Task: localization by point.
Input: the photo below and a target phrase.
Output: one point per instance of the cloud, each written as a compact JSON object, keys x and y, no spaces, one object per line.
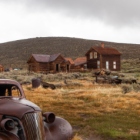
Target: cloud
{"x":118,"y":13}
{"x":101,"y":19}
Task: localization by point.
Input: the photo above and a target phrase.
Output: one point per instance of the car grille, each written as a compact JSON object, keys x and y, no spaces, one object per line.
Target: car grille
{"x":33,"y":126}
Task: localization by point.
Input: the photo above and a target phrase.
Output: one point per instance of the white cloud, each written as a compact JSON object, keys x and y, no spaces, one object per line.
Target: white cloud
{"x":97,"y":20}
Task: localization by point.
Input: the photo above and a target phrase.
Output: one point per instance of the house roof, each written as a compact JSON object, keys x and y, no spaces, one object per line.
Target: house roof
{"x":41,"y":57}
{"x":45,"y":58}
{"x":53,"y":57}
{"x":69,"y":59}
{"x":65,"y":61}
{"x":105,"y":51}
{"x":80,"y":61}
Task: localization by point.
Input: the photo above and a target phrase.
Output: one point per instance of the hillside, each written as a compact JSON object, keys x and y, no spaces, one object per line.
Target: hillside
{"x":16,"y":53}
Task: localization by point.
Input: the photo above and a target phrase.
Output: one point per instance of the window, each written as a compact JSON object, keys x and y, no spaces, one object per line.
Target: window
{"x":107,"y":65}
{"x":95,"y":54}
{"x":9,"y":90}
{"x":114,"y":64}
{"x":91,"y":55}
{"x":98,"y":64}
{"x":85,"y":66}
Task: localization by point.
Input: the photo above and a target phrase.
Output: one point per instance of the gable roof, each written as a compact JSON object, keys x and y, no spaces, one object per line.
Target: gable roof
{"x":41,"y":57}
{"x":44,"y":58}
{"x":80,"y":61}
{"x":53,"y":57}
{"x":69,"y":59}
{"x":105,"y":51}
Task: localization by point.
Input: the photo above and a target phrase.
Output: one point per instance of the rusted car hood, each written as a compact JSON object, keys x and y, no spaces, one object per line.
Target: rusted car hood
{"x":16,"y":107}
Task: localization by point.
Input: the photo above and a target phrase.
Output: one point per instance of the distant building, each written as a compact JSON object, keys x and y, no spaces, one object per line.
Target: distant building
{"x":81,"y":63}
{"x":49,"y":63}
{"x":72,"y":64}
{"x":103,"y":58}
{"x":1,"y":68}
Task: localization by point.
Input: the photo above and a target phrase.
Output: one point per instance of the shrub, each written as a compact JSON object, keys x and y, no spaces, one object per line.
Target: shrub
{"x":74,"y":84}
{"x":126,"y":88}
{"x":58,"y":85}
{"x":136,"y":87}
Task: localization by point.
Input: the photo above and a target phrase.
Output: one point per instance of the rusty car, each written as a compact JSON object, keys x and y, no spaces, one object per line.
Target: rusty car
{"x":21,"y":119}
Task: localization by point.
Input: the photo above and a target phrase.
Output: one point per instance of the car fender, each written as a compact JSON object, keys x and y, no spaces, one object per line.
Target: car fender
{"x":7,"y":136}
{"x":60,"y":129}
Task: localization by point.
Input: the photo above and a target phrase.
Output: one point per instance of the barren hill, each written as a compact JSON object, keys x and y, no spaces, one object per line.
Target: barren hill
{"x":16,"y":53}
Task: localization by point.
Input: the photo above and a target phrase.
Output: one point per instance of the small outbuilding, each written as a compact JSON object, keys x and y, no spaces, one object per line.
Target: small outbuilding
{"x":81,"y":63}
{"x":1,"y":68}
{"x":103,"y":58}
{"x":72,"y":64}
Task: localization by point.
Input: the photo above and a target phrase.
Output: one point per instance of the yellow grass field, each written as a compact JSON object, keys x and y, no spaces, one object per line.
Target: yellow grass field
{"x":92,"y":109}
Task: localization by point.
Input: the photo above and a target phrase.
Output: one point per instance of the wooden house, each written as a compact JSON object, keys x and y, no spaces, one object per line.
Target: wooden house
{"x":103,"y":58}
{"x":81,"y":63}
{"x":1,"y":68}
{"x":48,"y":63}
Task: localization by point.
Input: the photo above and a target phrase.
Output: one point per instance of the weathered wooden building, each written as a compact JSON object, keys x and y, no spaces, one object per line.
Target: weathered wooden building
{"x":81,"y":63}
{"x":103,"y":58}
{"x":48,"y":63}
{"x":1,"y":68}
{"x":72,"y":64}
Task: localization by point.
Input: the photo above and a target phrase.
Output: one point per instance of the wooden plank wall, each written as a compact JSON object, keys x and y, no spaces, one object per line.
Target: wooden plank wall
{"x":92,"y":63}
{"x":59,"y":60}
{"x":111,"y":59}
{"x":44,"y":67}
{"x":33,"y":64}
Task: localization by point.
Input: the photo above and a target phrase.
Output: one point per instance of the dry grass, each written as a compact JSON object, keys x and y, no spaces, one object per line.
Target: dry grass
{"x":92,"y":109}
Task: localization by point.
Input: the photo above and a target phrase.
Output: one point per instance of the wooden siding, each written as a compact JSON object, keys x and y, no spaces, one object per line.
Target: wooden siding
{"x":72,"y":66}
{"x":32,"y":65}
{"x":44,"y":67}
{"x":1,"y":68}
{"x":58,"y":61}
{"x":51,"y":66}
{"x":92,"y":63}
{"x":65,"y":67}
{"x":59,"y":64}
{"x":80,"y":67}
{"x":111,"y":59}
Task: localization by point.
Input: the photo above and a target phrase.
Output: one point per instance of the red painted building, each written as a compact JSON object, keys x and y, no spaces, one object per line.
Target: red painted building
{"x":103,"y":58}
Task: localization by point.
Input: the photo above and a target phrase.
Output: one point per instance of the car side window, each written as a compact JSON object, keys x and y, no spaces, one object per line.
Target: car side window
{"x":9,"y":90}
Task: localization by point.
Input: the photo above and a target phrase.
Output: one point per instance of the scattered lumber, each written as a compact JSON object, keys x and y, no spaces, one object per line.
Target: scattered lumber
{"x":47,"y":85}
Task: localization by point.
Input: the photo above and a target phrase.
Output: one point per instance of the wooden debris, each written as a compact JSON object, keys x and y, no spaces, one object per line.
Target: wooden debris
{"x":47,"y":85}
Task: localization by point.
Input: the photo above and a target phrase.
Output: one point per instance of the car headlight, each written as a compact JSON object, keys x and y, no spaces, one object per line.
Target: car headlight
{"x":7,"y":124}
{"x":49,"y":117}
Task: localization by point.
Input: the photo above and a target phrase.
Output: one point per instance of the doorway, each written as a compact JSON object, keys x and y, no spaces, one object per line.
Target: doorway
{"x":29,"y":68}
{"x":67,"y":68}
{"x":57,"y":67}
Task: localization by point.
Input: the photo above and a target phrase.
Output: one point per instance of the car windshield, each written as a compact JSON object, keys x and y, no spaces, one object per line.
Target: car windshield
{"x":8,"y":90}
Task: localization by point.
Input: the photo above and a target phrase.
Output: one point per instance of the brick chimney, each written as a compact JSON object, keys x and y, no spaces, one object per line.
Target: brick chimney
{"x":102,"y":45}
